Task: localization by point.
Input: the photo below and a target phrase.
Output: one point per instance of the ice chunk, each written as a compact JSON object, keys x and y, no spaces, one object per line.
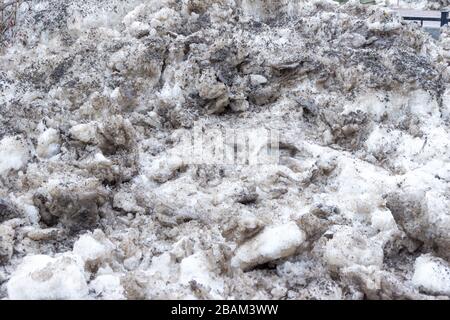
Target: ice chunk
{"x":349,"y":247}
{"x":41,"y":277}
{"x":85,"y":132}
{"x":272,"y":243}
{"x":256,"y":79}
{"x":432,"y":275}
{"x":107,"y":287}
{"x":6,"y":243}
{"x":48,"y":143}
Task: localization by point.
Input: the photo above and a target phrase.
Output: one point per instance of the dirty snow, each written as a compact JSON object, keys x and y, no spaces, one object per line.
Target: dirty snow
{"x":103,"y":194}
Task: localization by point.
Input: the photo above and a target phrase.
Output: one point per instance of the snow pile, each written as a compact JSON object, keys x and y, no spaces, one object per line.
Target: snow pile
{"x":43,"y":277}
{"x":106,"y":193}
{"x":432,"y":275}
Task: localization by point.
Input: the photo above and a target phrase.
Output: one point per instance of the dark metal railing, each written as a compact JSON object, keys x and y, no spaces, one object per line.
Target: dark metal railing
{"x":443,"y":19}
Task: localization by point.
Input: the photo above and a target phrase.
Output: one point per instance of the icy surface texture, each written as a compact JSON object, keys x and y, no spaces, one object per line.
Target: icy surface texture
{"x":99,"y":200}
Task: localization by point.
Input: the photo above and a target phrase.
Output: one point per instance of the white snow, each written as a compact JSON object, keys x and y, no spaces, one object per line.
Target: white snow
{"x":349,"y":247}
{"x":162,"y":266}
{"x":107,"y":287}
{"x":138,"y":28}
{"x":6,"y":243}
{"x":383,"y":220}
{"x":48,"y":143}
{"x":84,"y":132}
{"x":270,"y":244}
{"x":93,"y":248}
{"x":257,"y":79}
{"x":41,"y":277}
{"x":432,"y":275}
{"x":14,"y":154}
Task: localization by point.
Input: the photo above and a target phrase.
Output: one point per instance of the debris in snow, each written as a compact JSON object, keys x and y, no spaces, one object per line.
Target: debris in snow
{"x":85,"y":132}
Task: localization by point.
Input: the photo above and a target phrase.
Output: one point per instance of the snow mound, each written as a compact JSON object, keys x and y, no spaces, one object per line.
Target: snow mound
{"x":44,"y":277}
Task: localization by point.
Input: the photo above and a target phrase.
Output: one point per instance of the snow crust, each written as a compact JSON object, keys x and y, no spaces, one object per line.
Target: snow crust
{"x":432,"y":275}
{"x":105,"y":195}
{"x":44,"y":277}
